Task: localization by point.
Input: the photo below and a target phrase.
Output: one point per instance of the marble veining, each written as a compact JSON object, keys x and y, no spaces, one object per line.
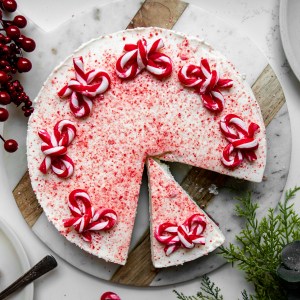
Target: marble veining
{"x":54,"y":46}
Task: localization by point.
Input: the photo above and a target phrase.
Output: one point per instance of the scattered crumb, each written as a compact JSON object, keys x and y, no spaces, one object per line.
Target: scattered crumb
{"x":213,"y":189}
{"x":200,"y":190}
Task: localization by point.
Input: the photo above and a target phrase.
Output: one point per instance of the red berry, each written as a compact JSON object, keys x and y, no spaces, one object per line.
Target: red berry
{"x":20,"y":39}
{"x":7,"y":69}
{"x":28,"y":103}
{"x":3,"y":114}
{"x":23,"y":65}
{"x":13,"y":32}
{"x":7,"y":40}
{"x":5,"y":50}
{"x":3,"y":63}
{"x":9,"y":5}
{"x":27,"y":44}
{"x":10,"y":146}
{"x":4,"y":98}
{"x":3,"y":77}
{"x":27,"y":113}
{"x":20,"y":21}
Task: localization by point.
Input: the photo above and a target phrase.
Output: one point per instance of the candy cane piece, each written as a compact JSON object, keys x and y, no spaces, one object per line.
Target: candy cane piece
{"x":54,"y":147}
{"x":62,"y":166}
{"x":85,"y":217}
{"x":64,"y":132}
{"x":189,"y":75}
{"x":206,"y":82}
{"x":142,"y":56}
{"x":82,"y":89}
{"x":242,"y":143}
{"x":186,"y":235}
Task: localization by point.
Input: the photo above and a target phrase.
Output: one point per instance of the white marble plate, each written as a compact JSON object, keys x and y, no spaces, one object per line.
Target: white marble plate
{"x":13,"y":258}
{"x":290,"y":32}
{"x":55,"y":45}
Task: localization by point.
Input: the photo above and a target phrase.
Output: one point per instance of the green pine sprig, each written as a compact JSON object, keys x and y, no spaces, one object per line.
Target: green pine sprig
{"x":209,"y":291}
{"x":257,"y":253}
{"x":245,"y":296}
{"x":260,"y":244}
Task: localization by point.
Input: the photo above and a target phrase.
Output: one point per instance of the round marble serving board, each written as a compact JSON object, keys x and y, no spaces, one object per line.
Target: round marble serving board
{"x":54,"y":46}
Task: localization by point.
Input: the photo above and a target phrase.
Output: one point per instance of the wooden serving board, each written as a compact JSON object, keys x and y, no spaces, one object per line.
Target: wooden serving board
{"x":139,"y":270}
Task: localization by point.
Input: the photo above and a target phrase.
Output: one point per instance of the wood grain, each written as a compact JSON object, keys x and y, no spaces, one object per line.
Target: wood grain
{"x":139,"y":270}
{"x":269,"y":94}
{"x":159,"y":13}
{"x":26,"y":200}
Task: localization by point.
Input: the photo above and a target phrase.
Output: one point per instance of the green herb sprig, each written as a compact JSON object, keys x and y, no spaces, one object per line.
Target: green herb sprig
{"x":258,"y":250}
{"x":209,"y":291}
{"x":260,"y":244}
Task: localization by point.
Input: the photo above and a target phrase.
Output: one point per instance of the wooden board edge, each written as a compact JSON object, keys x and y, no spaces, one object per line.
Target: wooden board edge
{"x":158,"y":13}
{"x":27,"y":201}
{"x":268,"y":83}
{"x":142,"y":274}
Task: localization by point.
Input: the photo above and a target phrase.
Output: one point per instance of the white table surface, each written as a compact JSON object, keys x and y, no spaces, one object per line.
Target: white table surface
{"x":259,"y":20}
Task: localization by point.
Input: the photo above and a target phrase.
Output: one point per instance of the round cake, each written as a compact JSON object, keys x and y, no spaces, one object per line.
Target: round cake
{"x":122,"y":99}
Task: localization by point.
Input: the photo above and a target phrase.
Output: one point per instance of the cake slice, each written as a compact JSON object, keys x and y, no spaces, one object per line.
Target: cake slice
{"x":169,"y":203}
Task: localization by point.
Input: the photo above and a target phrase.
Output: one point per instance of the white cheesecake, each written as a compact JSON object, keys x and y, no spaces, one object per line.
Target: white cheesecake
{"x":136,"y":119}
{"x":170,"y":203}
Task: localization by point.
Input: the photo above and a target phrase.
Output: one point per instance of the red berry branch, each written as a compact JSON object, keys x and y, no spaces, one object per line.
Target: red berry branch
{"x":12,"y":44}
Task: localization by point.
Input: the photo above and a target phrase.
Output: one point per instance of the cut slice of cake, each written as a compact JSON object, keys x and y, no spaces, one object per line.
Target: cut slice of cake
{"x":171,"y":206}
